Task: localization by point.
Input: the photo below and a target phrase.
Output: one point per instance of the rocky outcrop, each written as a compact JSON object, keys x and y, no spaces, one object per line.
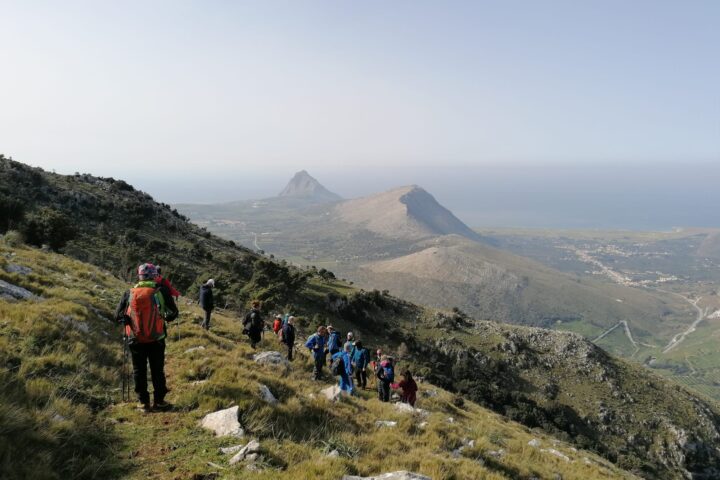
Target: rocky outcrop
{"x":272,"y":359}
{"x":8,"y":291}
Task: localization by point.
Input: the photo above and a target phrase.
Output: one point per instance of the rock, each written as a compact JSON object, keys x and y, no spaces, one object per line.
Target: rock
{"x":223,"y":423}
{"x":267,"y":395}
{"x":422,"y":424}
{"x":535,"y":443}
{"x":497,"y":453}
{"x":251,"y":457}
{"x":457,"y":452}
{"x":15,"y":268}
{"x":252,"y":447}
{"x":451,"y":420}
{"x":558,"y":454}
{"x":385,"y":423}
{"x":231,"y":450}
{"x":79,"y":326}
{"x":194,"y":349}
{"x":13,"y":292}
{"x":407,"y":408}
{"x":331,"y":393}
{"x":333,"y":454}
{"x":198,"y":382}
{"x":272,"y":359}
{"x":429,"y":393}
{"x":401,"y":475}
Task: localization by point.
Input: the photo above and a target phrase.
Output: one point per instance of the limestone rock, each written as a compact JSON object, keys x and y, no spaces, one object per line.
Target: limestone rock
{"x":15,"y":268}
{"x":272,"y":359}
{"x":333,"y":454}
{"x":332,"y":393}
{"x":231,"y":450}
{"x":224,"y":423}
{"x":407,"y":408}
{"x":401,"y":475}
{"x":385,"y":423}
{"x":267,"y":395}
{"x":194,"y":349}
{"x":535,"y":443}
{"x":558,"y":454}
{"x":13,"y":292}
{"x":252,"y":447}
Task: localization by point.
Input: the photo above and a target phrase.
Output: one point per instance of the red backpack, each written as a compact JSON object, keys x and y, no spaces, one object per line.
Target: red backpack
{"x":277,"y":325}
{"x":145,"y":309}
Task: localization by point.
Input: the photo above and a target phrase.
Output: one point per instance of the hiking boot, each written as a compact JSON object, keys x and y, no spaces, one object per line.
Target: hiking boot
{"x":162,"y":406}
{"x":144,"y":406}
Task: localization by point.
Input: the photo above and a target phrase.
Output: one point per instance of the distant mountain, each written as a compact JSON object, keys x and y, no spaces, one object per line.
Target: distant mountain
{"x":303,"y":185}
{"x":407,"y":212}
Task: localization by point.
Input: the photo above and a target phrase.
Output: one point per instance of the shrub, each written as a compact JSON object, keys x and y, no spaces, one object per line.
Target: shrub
{"x":13,"y":238}
{"x":48,"y":226}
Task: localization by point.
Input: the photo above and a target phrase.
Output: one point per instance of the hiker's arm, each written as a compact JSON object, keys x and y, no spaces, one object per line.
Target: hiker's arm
{"x":122,"y":307}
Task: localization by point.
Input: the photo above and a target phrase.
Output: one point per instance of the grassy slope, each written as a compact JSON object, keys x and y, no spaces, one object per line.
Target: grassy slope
{"x":60,"y":393}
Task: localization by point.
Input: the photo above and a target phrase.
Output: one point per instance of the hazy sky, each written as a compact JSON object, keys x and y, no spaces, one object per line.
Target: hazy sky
{"x":254,"y":90}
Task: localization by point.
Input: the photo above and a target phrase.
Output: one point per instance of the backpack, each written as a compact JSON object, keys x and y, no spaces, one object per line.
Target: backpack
{"x":256,"y":321}
{"x":145,"y":308}
{"x":337,"y":367}
{"x":285,"y":319}
{"x":277,"y":325}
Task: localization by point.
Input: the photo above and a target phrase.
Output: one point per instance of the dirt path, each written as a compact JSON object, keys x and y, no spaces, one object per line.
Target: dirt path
{"x":677,"y":339}
{"x":628,"y":334}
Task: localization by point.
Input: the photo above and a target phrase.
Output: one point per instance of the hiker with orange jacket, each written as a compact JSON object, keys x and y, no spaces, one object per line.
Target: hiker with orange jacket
{"x":144,"y":309}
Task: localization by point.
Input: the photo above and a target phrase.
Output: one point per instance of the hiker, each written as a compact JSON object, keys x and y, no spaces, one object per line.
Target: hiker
{"x":316,"y":343}
{"x":349,"y":341}
{"x":342,"y":366}
{"x":277,"y":324}
{"x":144,"y":309}
{"x":386,"y":376}
{"x":254,"y":324}
{"x":287,"y":336}
{"x":360,"y":359}
{"x":375,"y":364}
{"x":333,"y":345}
{"x":409,"y":388}
{"x":207,"y":302}
{"x":165,"y":282}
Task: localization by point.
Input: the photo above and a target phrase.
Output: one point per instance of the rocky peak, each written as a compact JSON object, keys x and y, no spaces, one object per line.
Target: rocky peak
{"x":303,"y":185}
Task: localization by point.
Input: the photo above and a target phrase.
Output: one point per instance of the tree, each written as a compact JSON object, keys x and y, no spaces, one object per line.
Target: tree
{"x":48,"y":226}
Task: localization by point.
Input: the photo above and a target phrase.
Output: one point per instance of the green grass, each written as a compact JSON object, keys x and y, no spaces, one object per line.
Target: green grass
{"x":61,"y":415}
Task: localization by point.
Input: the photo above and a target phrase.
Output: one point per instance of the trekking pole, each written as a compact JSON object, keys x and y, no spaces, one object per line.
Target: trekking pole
{"x":124,"y":373}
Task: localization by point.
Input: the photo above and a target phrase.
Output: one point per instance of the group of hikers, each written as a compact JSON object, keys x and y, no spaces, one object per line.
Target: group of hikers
{"x":145,"y":308}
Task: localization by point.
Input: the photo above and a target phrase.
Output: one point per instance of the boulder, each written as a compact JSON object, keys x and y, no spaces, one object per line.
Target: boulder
{"x":272,"y":359}
{"x":231,"y":450}
{"x":332,"y":393}
{"x":252,"y":447}
{"x":535,"y":443}
{"x":224,"y":423}
{"x":15,"y":268}
{"x":267,"y":395}
{"x":401,"y":475}
{"x":13,"y":292}
{"x":194,"y":349}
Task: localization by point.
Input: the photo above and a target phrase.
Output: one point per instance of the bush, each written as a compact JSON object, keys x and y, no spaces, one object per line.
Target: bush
{"x":13,"y":238}
{"x":12,"y":212}
{"x":48,"y":226}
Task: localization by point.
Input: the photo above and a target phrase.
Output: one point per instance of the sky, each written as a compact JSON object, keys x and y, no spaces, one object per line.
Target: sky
{"x":219,"y":100}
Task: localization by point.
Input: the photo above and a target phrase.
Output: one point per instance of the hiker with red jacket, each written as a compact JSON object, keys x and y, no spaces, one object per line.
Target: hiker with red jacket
{"x":165,"y":282}
{"x":144,"y":309}
{"x":409,"y":388}
{"x":277,"y":324}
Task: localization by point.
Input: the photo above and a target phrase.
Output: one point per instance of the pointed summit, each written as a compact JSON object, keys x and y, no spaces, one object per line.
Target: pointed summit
{"x":302,"y":185}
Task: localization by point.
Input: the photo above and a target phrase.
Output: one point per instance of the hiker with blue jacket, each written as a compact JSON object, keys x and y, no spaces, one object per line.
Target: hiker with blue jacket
{"x":386,"y":375}
{"x":317,"y":343}
{"x":360,"y":360}
{"x":287,"y":336}
{"x":342,"y":366}
{"x":334,"y":341}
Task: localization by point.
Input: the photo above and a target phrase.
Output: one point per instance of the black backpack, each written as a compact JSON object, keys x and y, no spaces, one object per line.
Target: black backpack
{"x":256,"y":320}
{"x":337,"y":367}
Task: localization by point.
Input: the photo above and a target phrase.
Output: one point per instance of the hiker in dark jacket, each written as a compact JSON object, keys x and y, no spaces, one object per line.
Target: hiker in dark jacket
{"x":254,"y":324}
{"x":143,"y":310}
{"x":360,"y":360}
{"x":288,"y":336}
{"x":386,"y":376}
{"x":207,"y":302}
{"x":317,"y":343}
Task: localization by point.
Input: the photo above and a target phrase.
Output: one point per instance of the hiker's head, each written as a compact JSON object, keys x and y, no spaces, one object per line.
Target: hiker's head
{"x":330,"y":329}
{"x":350,"y":336}
{"x":147,"y":271}
{"x":159,"y":269}
{"x":321,"y":330}
{"x":358,"y":344}
{"x":255,"y":304}
{"x":384,"y":358}
{"x":379,"y":352}
{"x":291,"y":320}
{"x":278,"y":316}
{"x":391,"y":360}
{"x":210,"y":283}
{"x":407,"y":375}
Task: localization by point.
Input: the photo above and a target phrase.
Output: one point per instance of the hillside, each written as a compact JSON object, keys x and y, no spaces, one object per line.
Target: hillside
{"x":407,"y":213}
{"x":60,"y":401}
{"x":553,"y":381}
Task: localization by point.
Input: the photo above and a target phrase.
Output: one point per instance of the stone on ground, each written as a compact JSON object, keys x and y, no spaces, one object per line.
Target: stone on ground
{"x":194,"y":349}
{"x":272,"y":359}
{"x":15,"y":268}
{"x":332,"y":393}
{"x":224,"y":423}
{"x":385,"y":423}
{"x":231,"y":450}
{"x":252,"y":447}
{"x":401,"y":475}
{"x":9,"y":291}
{"x":407,"y":408}
{"x":267,"y":395}
{"x":534,"y":443}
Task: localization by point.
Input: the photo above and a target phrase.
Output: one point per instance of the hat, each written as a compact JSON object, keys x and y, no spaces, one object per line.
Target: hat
{"x":291,"y":319}
{"x":147,"y":271}
{"x":210,"y":282}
